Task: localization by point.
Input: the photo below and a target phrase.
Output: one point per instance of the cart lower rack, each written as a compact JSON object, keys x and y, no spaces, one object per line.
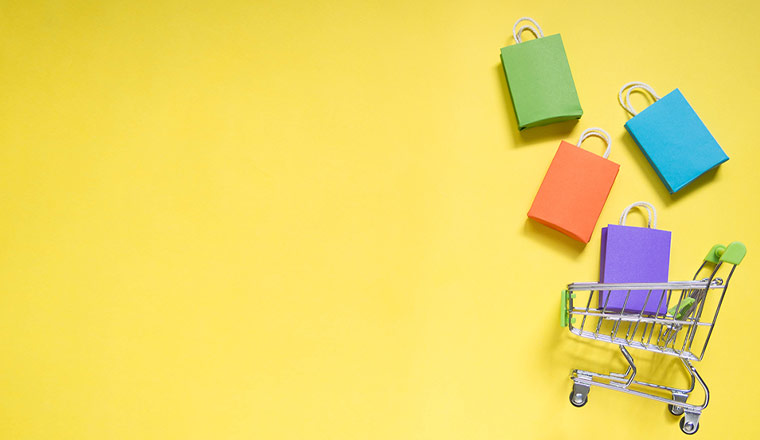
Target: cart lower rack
{"x":680,"y":326}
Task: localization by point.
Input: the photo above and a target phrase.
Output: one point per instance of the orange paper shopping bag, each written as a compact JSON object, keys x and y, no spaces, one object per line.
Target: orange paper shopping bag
{"x":575,"y":188}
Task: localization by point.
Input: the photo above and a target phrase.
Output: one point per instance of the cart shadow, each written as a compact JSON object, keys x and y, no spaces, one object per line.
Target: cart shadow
{"x":586,"y":354}
{"x":574,"y":352}
{"x":583,"y":349}
{"x":520,"y":138}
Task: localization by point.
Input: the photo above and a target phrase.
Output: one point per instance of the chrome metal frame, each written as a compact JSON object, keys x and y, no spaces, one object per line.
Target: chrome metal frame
{"x":654,"y":332}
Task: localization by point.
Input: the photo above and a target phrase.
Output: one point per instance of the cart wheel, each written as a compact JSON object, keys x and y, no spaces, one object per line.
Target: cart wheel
{"x":578,"y":399}
{"x":675,"y":410}
{"x":689,"y":428}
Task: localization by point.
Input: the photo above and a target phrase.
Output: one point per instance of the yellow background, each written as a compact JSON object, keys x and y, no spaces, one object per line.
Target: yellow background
{"x":306,"y":220}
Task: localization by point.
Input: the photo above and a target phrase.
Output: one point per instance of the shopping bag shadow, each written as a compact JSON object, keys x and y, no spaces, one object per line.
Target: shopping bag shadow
{"x":694,"y":186}
{"x":570,"y":352}
{"x":585,"y":354}
{"x":530,"y":136}
{"x":552,"y":239}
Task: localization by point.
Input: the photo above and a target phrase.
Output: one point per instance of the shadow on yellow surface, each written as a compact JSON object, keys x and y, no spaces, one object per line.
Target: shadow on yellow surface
{"x":307,"y":220}
{"x":552,"y":239}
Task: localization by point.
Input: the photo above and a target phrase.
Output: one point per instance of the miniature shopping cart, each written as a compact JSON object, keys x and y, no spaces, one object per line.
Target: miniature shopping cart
{"x":682,"y":328}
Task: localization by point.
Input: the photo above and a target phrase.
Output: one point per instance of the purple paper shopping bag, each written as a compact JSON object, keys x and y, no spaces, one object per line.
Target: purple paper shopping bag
{"x":635,"y":255}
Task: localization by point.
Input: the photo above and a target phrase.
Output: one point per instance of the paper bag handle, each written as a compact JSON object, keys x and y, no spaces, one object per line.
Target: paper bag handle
{"x":598,"y":132}
{"x":537,"y":31}
{"x":631,"y":86}
{"x":652,"y":219}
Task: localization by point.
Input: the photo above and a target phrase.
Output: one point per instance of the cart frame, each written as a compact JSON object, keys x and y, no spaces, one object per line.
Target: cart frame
{"x":678,"y":330}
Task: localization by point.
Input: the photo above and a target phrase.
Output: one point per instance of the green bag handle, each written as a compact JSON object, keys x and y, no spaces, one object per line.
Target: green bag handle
{"x":564,"y":310}
{"x":733,"y":253}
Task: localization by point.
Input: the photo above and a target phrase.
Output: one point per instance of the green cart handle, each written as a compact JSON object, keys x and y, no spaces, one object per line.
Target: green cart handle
{"x":733,"y":253}
{"x":685,"y":305}
{"x":564,"y":308}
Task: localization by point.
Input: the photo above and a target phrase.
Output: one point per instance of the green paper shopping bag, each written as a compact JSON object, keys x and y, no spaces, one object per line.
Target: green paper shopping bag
{"x":539,"y":79}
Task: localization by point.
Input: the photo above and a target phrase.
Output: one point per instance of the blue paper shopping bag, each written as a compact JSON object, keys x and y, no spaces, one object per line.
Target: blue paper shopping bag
{"x":676,"y":142}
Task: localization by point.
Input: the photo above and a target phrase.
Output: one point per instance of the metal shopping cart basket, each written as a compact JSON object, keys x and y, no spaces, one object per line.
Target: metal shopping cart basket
{"x":683,"y":331}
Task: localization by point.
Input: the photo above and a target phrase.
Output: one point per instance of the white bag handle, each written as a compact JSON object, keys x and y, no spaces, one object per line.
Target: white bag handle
{"x":633,"y":86}
{"x":652,"y":219}
{"x":598,"y":132}
{"x":537,"y":31}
